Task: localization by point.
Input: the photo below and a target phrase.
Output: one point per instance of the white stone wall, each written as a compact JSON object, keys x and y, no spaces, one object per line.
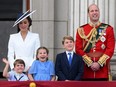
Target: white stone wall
{"x":113,"y":65}
{"x":43,"y":23}
{"x":61,"y":23}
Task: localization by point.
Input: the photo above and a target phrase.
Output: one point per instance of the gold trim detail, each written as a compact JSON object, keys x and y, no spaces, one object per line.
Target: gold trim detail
{"x":103,"y":59}
{"x":87,"y":60}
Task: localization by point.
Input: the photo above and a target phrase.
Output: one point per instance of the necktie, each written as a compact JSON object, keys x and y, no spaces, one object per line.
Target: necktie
{"x":70,"y":58}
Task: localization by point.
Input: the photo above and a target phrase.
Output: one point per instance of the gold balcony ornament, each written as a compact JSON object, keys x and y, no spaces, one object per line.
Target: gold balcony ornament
{"x":32,"y":84}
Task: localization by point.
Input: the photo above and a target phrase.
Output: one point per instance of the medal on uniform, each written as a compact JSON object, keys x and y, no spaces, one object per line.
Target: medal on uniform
{"x":100,"y":31}
{"x":104,"y":32}
{"x":102,"y":39}
{"x":103,"y":46}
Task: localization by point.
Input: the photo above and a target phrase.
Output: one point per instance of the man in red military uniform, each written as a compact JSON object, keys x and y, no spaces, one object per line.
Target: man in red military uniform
{"x":95,"y":42}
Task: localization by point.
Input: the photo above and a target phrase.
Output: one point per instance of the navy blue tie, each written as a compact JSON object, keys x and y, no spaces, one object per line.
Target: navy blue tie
{"x":70,"y":58}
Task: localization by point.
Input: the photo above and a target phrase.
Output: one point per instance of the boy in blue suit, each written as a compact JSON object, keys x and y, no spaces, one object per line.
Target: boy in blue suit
{"x":69,"y":65}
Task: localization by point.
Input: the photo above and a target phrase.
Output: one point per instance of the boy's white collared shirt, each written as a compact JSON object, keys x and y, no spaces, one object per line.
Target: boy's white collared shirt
{"x":68,"y":54}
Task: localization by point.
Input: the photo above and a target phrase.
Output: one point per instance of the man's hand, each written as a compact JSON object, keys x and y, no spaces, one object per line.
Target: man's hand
{"x":95,"y":66}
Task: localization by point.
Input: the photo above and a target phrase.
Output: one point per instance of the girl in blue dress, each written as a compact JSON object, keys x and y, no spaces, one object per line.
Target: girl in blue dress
{"x":42,"y":69}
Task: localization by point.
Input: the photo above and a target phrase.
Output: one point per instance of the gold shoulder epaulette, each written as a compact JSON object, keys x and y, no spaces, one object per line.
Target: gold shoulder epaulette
{"x":81,"y":32}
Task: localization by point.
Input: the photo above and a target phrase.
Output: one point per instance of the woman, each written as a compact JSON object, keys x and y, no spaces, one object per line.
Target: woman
{"x":23,"y":45}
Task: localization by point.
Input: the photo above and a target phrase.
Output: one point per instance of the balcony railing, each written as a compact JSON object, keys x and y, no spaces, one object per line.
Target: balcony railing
{"x":58,"y":84}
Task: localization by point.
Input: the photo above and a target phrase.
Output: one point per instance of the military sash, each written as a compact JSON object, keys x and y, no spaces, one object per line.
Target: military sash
{"x":92,"y":37}
{"x":100,"y":31}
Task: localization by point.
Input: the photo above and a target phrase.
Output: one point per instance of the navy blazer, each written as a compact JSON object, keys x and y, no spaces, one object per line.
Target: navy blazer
{"x":66,"y":72}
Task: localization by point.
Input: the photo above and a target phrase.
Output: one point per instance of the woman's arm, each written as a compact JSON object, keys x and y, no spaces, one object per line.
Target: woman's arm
{"x":11,"y":52}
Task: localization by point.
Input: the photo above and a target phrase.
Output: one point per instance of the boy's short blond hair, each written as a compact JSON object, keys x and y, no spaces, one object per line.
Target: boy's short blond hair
{"x":19,"y":61}
{"x":67,"y":37}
